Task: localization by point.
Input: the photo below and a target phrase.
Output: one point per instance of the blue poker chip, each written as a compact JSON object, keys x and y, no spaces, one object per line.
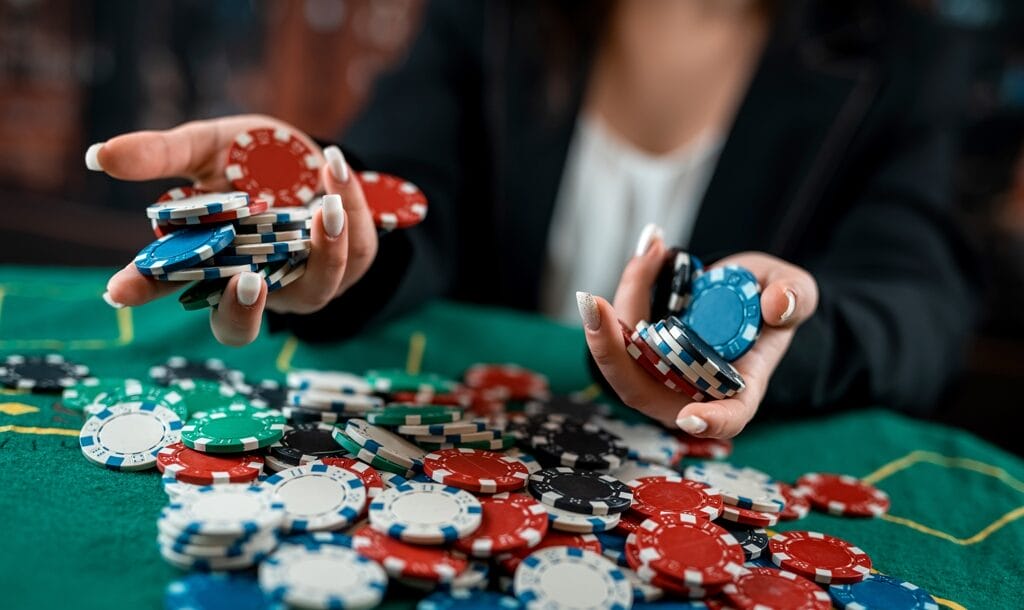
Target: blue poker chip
{"x":250,"y":259}
{"x":613,"y":546}
{"x":725,"y":310}
{"x":881,"y":591}
{"x":683,"y":363}
{"x":215,"y":591}
{"x":183,"y":249}
{"x":468,"y":600}
{"x":315,"y":539}
{"x":703,"y":354}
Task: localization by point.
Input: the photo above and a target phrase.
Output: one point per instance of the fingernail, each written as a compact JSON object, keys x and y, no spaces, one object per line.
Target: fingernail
{"x":92,"y":157}
{"x":336,"y":163}
{"x":647,"y":236}
{"x":588,"y":310}
{"x":110,"y":300}
{"x":691,"y":424}
{"x":248,"y":288}
{"x":334,"y":215}
{"x":790,"y":306}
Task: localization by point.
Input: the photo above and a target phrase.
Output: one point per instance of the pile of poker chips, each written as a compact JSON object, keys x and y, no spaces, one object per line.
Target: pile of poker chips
{"x":386,"y":516}
{"x":264,"y":225}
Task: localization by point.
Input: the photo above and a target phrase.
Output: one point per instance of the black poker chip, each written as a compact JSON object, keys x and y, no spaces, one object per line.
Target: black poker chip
{"x":753,"y":540}
{"x":705,"y":355}
{"x":178,"y":367}
{"x":685,"y":268}
{"x":567,"y":405}
{"x":306,"y":443}
{"x":580,"y":491}
{"x":267,"y":394}
{"x":584,"y":446}
{"x":661,"y":292}
{"x":46,"y":373}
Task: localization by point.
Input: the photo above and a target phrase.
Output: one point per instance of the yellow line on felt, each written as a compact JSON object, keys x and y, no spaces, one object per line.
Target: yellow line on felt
{"x":991,"y":528}
{"x":125,"y":328}
{"x":40,"y":431}
{"x":942,"y":460}
{"x":284,"y":357}
{"x":414,"y":360}
{"x":948,"y":603}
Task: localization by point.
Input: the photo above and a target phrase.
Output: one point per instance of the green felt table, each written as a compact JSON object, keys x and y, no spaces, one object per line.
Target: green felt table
{"x":79,"y":536}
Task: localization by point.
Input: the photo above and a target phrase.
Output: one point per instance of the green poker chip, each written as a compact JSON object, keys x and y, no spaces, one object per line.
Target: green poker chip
{"x":369,"y":457}
{"x":203,"y":294}
{"x":397,"y":380}
{"x":85,"y":391}
{"x":498,"y":444}
{"x":232,"y":429}
{"x":131,"y":390}
{"x":401,"y":414}
{"x":207,"y":395}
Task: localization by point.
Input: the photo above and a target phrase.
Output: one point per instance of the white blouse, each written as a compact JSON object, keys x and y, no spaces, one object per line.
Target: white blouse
{"x":609,"y":191}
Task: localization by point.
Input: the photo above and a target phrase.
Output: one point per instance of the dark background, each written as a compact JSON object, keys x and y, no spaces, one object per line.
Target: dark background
{"x":74,"y":72}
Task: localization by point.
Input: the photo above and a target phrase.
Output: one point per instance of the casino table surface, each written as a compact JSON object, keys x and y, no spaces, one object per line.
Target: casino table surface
{"x":79,"y":536}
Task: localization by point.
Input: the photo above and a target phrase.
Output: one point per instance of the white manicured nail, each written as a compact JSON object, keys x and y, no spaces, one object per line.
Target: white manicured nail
{"x":92,"y":157}
{"x":647,"y":236}
{"x":790,"y":306}
{"x":691,"y":424}
{"x":110,"y":301}
{"x":336,"y":163}
{"x":334,"y":215}
{"x":588,"y":310}
{"x":248,"y":288}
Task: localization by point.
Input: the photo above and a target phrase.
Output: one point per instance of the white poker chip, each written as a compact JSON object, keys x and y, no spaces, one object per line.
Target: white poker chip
{"x":200,"y":204}
{"x":642,"y":591}
{"x":385,"y":443}
{"x":322,"y":576}
{"x":317,"y":496}
{"x":567,"y":577}
{"x":743,"y":487}
{"x":225,"y":509}
{"x":329,"y":381}
{"x":129,"y":435}
{"x":425,"y":513}
{"x":578,"y":523}
{"x":632,"y":470}
{"x":646,"y":442}
{"x":323,"y":400}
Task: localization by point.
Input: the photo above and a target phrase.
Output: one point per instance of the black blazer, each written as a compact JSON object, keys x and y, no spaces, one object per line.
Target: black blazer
{"x":839,"y":160}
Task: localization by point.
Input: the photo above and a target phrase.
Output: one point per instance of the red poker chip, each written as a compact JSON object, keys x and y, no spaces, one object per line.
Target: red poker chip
{"x":510,"y":522}
{"x":797,"y":504}
{"x":652,"y":577}
{"x":630,"y":522}
{"x":588,"y":542}
{"x":433,"y":563}
{"x":843,"y":495}
{"x":476,"y":470}
{"x":370,"y":478}
{"x":256,"y":206}
{"x":747,"y":516}
{"x":760,"y":588}
{"x":394,"y":203}
{"x":509,"y":381}
{"x":198,"y":468}
{"x":654,"y":496}
{"x":275,"y":164}
{"x":694,"y":551}
{"x":704,"y":448}
{"x":822,"y":558}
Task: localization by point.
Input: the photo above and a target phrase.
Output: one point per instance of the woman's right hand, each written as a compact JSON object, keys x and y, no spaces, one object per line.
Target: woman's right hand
{"x":343,"y":232}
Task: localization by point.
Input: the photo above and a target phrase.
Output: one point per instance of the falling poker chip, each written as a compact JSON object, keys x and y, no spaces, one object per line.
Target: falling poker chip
{"x":580,"y":491}
{"x":47,"y":373}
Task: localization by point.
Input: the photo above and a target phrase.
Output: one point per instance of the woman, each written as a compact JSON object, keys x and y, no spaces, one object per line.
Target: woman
{"x":807,"y":141}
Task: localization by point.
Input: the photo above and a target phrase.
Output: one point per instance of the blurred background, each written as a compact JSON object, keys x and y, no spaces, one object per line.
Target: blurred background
{"x":73,"y":72}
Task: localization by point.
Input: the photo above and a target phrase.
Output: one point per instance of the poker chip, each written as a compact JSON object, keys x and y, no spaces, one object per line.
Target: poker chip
{"x":396,"y":380}
{"x":465,"y":437}
{"x":649,"y":575}
{"x":630,"y":522}
{"x":759,"y":588}
{"x":295,"y":245}
{"x":397,"y":414}
{"x":274,"y":464}
{"x":394,"y":203}
{"x":178,"y":367}
{"x":747,"y":516}
{"x":505,"y":441}
{"x":204,"y":273}
{"x":637,"y":469}
{"x":232,"y":429}
{"x":843,"y":495}
{"x":369,"y":457}
{"x":459,"y":398}
{"x":822,"y":558}
{"x":425,"y":513}
{"x":881,"y":591}
{"x":704,"y":448}
{"x":371,"y":478}
{"x":739,"y":487}
{"x":686,"y":267}
{"x":134,"y":391}
{"x":703,"y":354}
{"x":274,"y":163}
{"x":262,"y":238}
{"x":509,"y":522}
{"x":273,"y":227}
{"x":214,"y":591}
{"x":276,"y":215}
{"x":225,"y":510}
{"x":650,"y":359}
{"x":300,"y":415}
{"x":128,"y":435}
{"x":208,"y":564}
{"x":685,"y":360}
{"x":754,"y":541}
{"x":255,"y":206}
{"x":476,"y":470}
{"x":47,"y":373}
{"x":206,"y":395}
{"x":304,"y":443}
{"x":475,"y":578}
{"x":645,"y":442}
{"x":655,"y":496}
{"x":577,"y":523}
{"x":701,"y":381}
{"x":580,"y":491}
{"x":183,"y":249}
{"x":694,"y":551}
{"x":562,"y":577}
{"x":642,"y":591}
{"x":797,"y":504}
{"x":83,"y":392}
{"x":509,"y":562}
{"x":509,"y":381}
{"x":583,"y":446}
{"x":326,"y":576}
{"x":287,"y":273}
{"x":202,"y":294}
{"x":262,"y":544}
{"x":384,"y":443}
{"x":444,"y":429}
{"x":317,"y":496}
{"x":265,"y":394}
{"x":195,"y":204}
{"x":468,"y":600}
{"x":198,"y":468}
{"x":726,"y":310}
{"x":322,"y":400}
{"x":433,"y":563}
{"x":328,"y":381}
{"x":315,"y":539}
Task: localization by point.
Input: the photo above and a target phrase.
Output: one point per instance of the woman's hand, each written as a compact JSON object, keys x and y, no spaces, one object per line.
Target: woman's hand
{"x":789,"y":297}
{"x":343,"y":232}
